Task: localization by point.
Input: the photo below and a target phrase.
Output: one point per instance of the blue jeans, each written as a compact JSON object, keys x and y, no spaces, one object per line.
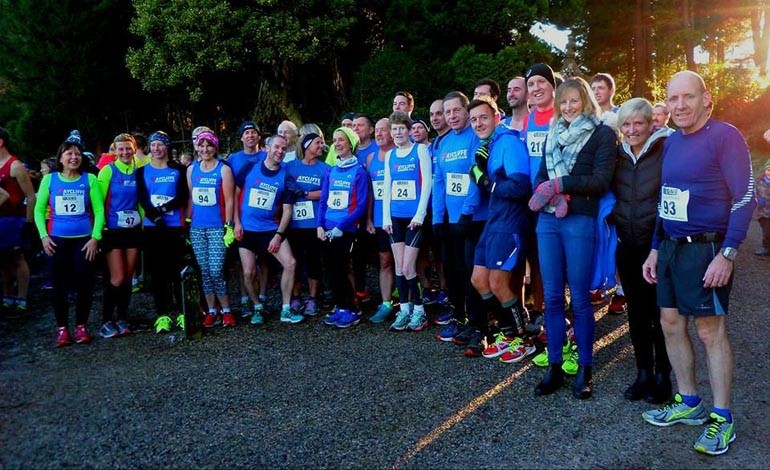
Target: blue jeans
{"x":566,"y":246}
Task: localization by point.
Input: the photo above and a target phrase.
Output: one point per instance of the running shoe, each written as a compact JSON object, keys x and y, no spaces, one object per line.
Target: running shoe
{"x":332,"y":317}
{"x":347,"y":319}
{"x":570,"y":365}
{"x":444,"y":317}
{"x":499,"y":346}
{"x":291,"y":316}
{"x":123,"y":328}
{"x":462,"y":338}
{"x":429,"y":297}
{"x":363,"y":296}
{"x":228,"y":319}
{"x":717,"y":436}
{"x":262,"y":299}
{"x":211,"y":320}
{"x":108,"y":330}
{"x":536,"y":323}
{"x":46,"y":285}
{"x":136,"y":286}
{"x":163,"y":324}
{"x":541,"y":360}
{"x":383,"y":313}
{"x":518,"y":351}
{"x":81,"y":335}
{"x":418,"y":321}
{"x":450,"y":331}
{"x":180,"y":321}
{"x":677,"y":412}
{"x":63,"y":337}
{"x":296,"y":304}
{"x":21,"y":307}
{"x":617,"y":304}
{"x":402,"y":321}
{"x":442,"y":299}
{"x":597,"y":297}
{"x":474,"y":347}
{"x":311,"y":309}
{"x":245,"y":310}
{"x":256,"y":315}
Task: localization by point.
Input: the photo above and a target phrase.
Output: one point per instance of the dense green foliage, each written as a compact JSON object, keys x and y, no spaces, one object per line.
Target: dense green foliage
{"x":109,"y":66}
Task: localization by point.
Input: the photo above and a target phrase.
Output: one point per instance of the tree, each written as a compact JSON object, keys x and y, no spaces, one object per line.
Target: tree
{"x":760,"y":33}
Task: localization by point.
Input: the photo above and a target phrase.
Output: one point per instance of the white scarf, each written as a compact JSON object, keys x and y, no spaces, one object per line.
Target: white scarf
{"x":565,"y":140}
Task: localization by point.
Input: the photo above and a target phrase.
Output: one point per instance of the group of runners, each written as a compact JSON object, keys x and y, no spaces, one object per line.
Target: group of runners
{"x":569,"y":189}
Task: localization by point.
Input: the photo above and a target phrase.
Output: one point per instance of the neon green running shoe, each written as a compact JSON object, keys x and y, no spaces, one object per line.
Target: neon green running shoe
{"x":541,"y":360}
{"x":570,"y":354}
{"x":717,"y":436}
{"x":180,"y":321}
{"x":163,"y":324}
{"x":677,"y":412}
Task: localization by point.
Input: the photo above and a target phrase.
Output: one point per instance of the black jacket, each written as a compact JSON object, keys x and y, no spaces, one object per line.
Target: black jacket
{"x":179,"y":202}
{"x":591,"y":176}
{"x":637,"y":190}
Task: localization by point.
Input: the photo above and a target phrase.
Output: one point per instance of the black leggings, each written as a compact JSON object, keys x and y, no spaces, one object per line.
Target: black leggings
{"x":164,"y":252}
{"x":72,"y":271}
{"x":337,"y":260}
{"x":643,"y":313}
{"x":459,"y":249}
{"x":306,"y":247}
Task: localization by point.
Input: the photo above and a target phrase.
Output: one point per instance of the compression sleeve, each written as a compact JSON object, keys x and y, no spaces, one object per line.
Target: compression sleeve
{"x":97,"y":206}
{"x":387,"y":220}
{"x":426,"y":176}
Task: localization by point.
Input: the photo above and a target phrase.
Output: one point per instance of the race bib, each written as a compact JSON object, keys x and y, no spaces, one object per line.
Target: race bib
{"x":204,"y":196}
{"x":338,"y":199}
{"x":457,"y":184}
{"x":128,"y":219}
{"x":535,"y":140}
{"x":379,"y":190}
{"x":160,"y":199}
{"x":261,"y":199}
{"x":673,"y":204}
{"x":303,"y":210}
{"x":70,"y":205}
{"x":403,"y":190}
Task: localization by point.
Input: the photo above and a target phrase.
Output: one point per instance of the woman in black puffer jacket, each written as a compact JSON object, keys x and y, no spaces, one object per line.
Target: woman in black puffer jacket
{"x":637,"y":186}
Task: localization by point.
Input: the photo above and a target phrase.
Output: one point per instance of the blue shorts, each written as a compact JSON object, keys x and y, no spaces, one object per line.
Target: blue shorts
{"x":681,"y":267}
{"x":10,"y":227}
{"x":500,"y":251}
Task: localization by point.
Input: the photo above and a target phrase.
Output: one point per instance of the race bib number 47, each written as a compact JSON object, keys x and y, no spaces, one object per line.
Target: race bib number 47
{"x":673,"y":204}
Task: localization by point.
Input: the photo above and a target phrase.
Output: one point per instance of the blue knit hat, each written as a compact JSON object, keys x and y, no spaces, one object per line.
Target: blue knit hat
{"x":74,"y":138}
{"x":160,"y":136}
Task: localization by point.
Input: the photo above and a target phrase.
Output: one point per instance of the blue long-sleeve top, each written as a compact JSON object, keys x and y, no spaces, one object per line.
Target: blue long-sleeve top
{"x":510,"y":188}
{"x":453,"y":193}
{"x":344,"y":197}
{"x":707,"y":184}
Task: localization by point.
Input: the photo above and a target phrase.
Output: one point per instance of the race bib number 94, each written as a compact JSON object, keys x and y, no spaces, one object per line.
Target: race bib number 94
{"x":673,"y":204}
{"x":204,"y":196}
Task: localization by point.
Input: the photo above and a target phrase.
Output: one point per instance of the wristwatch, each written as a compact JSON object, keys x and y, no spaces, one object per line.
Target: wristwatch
{"x":729,"y":253}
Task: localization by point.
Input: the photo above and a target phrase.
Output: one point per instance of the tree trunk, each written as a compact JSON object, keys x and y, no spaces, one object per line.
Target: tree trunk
{"x":760,"y":34}
{"x":642,"y":48}
{"x":688,"y":25}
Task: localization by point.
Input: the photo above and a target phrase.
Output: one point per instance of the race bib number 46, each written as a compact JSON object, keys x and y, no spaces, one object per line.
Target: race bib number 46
{"x":70,"y":205}
{"x":673,"y":204}
{"x":261,"y":199}
{"x":338,"y":199}
{"x":457,"y":184}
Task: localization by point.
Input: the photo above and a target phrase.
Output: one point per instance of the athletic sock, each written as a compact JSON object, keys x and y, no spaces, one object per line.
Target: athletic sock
{"x":108,"y":305}
{"x":419,"y":309}
{"x":21,"y":302}
{"x":225,"y":309}
{"x":285,"y":307}
{"x":690,"y":400}
{"x":723,"y":412}
{"x":122,"y":300}
{"x":388,"y":304}
{"x":414,"y":290}
{"x":403,"y":289}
